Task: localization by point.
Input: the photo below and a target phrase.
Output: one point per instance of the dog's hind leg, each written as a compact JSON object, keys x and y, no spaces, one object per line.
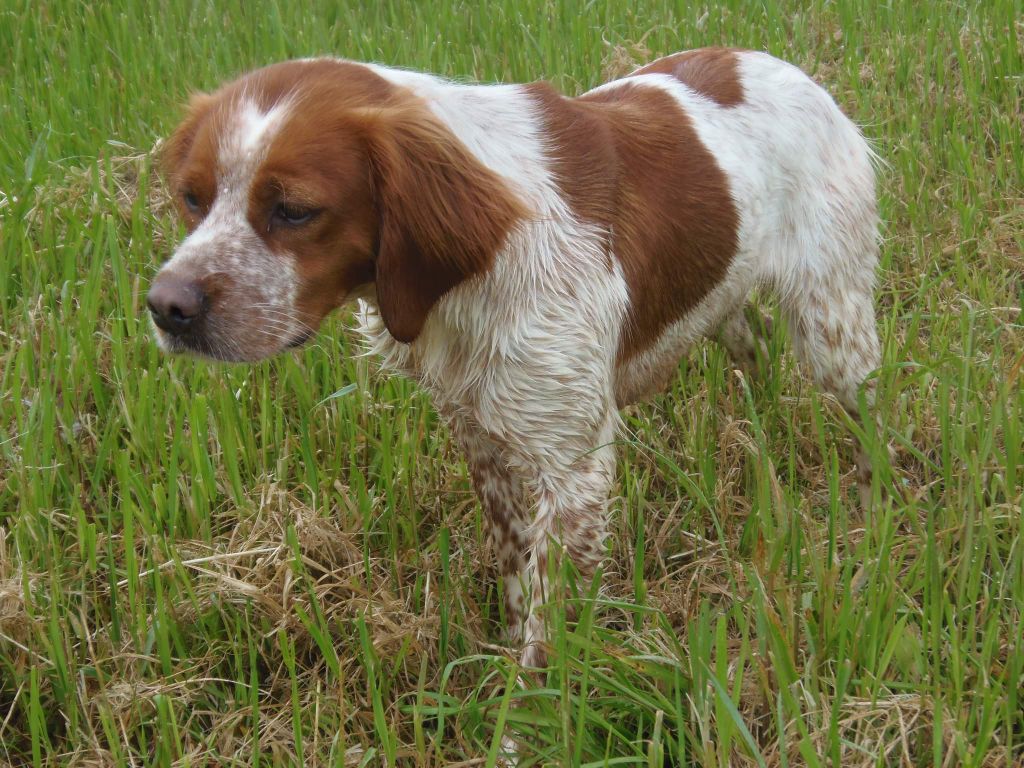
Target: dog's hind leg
{"x":836,"y":338}
{"x":827,"y":295}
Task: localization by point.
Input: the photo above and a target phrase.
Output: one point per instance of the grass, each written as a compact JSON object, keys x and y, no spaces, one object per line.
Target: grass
{"x":215,"y":565}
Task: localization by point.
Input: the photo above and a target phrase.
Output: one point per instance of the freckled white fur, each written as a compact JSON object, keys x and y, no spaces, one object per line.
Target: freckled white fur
{"x":525,"y":354}
{"x":225,"y":242}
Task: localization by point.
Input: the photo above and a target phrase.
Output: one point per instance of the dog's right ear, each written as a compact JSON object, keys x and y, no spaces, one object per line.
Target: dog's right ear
{"x":443,"y":215}
{"x":176,"y":148}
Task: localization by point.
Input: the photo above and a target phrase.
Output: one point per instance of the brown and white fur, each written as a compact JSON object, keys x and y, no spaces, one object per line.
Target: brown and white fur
{"x":535,"y":262}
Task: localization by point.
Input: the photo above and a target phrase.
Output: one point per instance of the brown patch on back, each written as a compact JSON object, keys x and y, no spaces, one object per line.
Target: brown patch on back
{"x":630,"y":160}
{"x":712,"y":72}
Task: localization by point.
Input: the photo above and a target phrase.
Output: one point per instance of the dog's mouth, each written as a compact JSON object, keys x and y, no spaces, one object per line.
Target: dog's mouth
{"x":198,"y":345}
{"x":208,"y":344}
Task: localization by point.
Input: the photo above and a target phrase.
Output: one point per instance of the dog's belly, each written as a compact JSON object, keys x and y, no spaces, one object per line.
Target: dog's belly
{"x":649,"y":372}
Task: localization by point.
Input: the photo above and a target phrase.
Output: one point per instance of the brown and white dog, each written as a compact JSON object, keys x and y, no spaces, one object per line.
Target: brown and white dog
{"x":536,"y":262}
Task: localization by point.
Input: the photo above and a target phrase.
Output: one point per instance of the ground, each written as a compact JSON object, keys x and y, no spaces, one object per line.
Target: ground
{"x":216,"y":565}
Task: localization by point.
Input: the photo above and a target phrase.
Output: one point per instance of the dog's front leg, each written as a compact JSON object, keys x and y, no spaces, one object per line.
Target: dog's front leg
{"x":570,"y":521}
{"x":507,"y":512}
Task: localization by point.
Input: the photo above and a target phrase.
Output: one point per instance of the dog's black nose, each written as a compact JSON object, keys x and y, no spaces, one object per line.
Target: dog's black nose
{"x":176,"y":303}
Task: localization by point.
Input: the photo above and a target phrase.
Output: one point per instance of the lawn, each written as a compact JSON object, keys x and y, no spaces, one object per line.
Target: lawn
{"x":284,"y":563}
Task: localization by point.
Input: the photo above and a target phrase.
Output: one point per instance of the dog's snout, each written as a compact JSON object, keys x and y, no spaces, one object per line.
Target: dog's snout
{"x":176,"y":303}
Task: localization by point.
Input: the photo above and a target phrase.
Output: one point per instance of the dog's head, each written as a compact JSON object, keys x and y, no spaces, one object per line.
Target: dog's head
{"x":308,"y":183}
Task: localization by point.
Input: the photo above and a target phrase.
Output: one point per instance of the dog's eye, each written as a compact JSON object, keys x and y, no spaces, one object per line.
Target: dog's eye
{"x":191,"y":201}
{"x":292,"y":214}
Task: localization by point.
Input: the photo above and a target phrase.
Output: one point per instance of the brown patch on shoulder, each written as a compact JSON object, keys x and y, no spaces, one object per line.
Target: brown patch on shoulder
{"x":629,"y":159}
{"x":712,"y":72}
{"x":584,"y":158}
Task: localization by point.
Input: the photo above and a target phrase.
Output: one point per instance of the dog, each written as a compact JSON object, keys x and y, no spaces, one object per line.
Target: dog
{"x":535,"y":262}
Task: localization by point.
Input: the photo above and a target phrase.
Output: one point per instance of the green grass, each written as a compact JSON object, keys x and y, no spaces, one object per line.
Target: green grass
{"x":205,"y":564}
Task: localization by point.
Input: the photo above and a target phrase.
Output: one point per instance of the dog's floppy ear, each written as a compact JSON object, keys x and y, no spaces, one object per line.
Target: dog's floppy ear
{"x":175,"y":150}
{"x":443,"y":215}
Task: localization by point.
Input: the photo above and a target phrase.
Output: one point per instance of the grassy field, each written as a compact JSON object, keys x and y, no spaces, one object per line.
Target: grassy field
{"x":284,"y":564}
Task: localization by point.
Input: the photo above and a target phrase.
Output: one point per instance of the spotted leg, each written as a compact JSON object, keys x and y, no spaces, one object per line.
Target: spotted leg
{"x":834,"y":334}
{"x":571,"y":519}
{"x":507,"y":513}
